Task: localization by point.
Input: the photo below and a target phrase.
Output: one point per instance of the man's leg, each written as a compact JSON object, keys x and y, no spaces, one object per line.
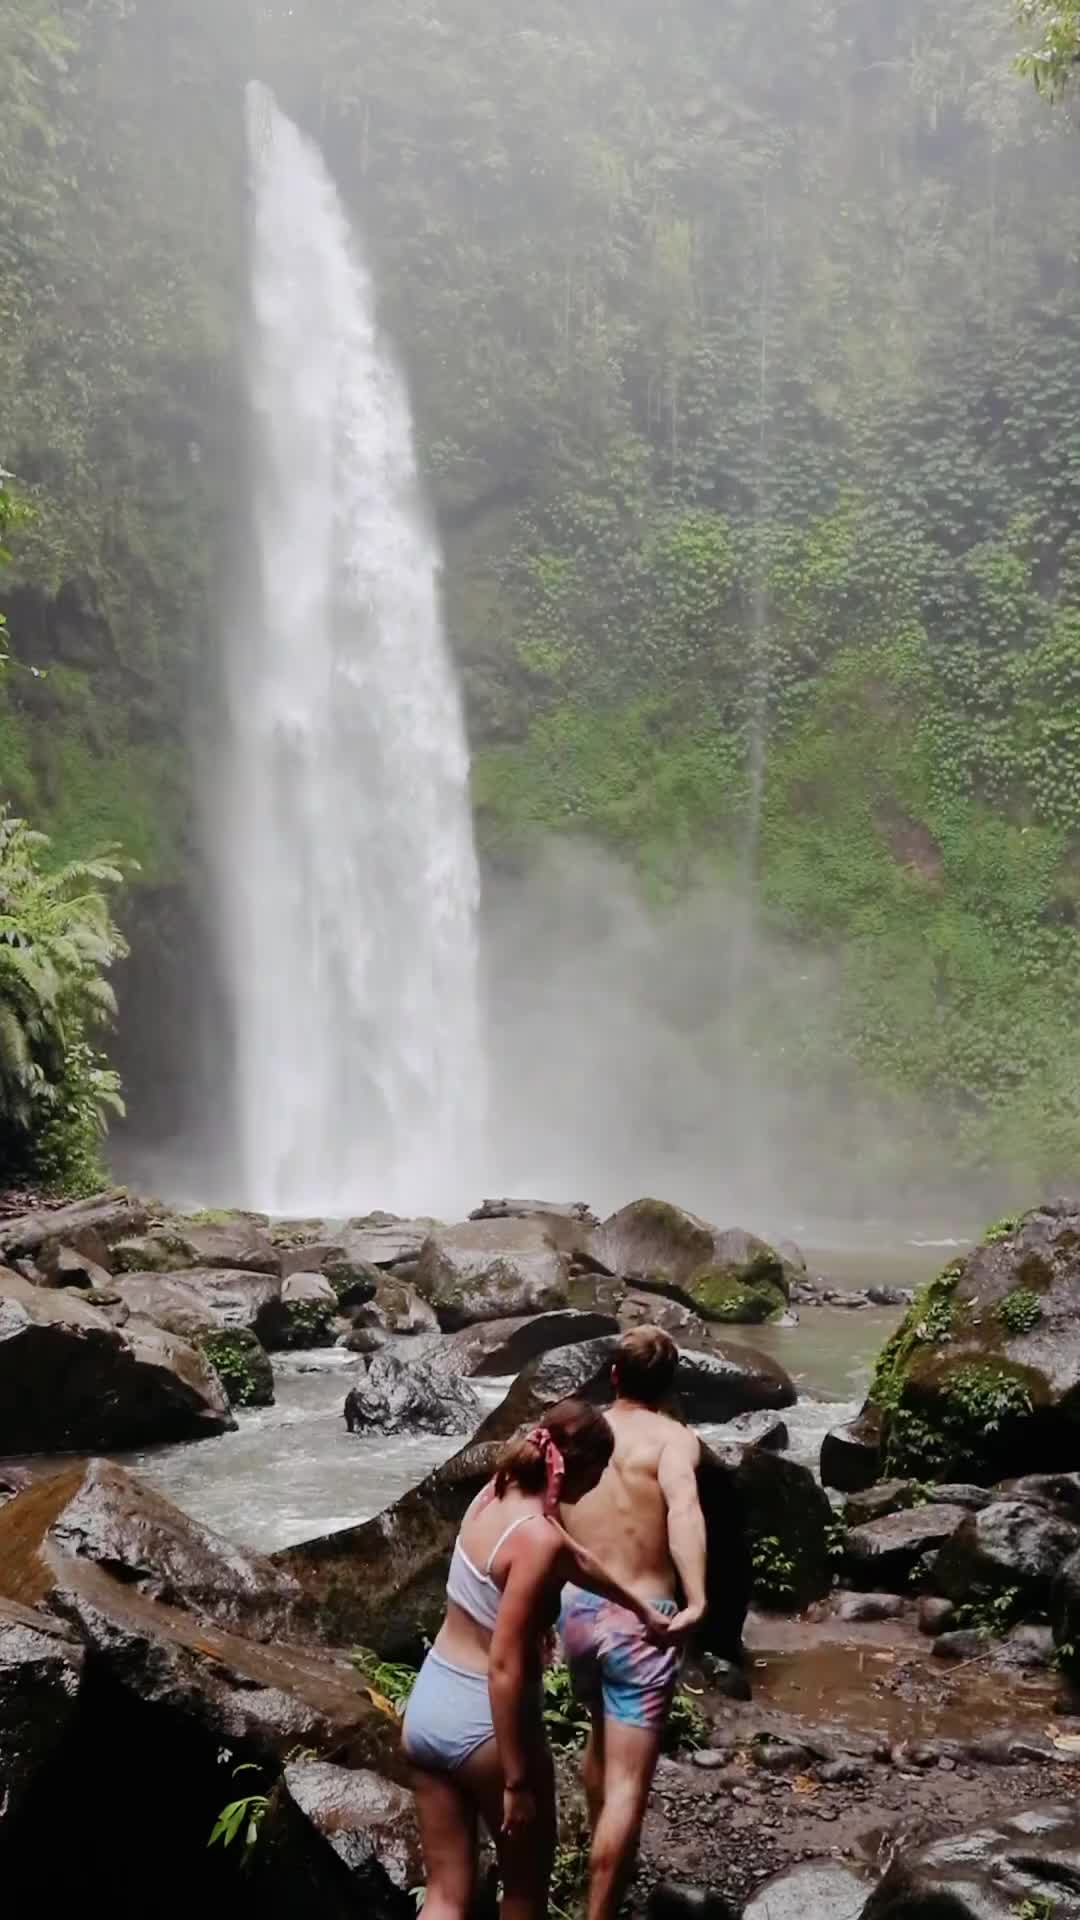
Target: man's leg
{"x":630,"y":1756}
{"x":592,"y":1765}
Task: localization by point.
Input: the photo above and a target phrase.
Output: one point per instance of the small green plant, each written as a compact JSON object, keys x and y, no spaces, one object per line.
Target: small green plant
{"x":566,"y":1721}
{"x":1019,"y":1311}
{"x":990,"y":1613}
{"x":774,"y":1571}
{"x":241,"y":1819}
{"x":1037,"y":1906}
{"x":392,"y":1680}
{"x":836,"y":1534}
{"x":1001,"y":1229}
{"x":687,"y":1729}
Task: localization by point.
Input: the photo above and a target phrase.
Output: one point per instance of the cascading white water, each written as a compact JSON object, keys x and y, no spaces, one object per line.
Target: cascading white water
{"x":346,"y":850}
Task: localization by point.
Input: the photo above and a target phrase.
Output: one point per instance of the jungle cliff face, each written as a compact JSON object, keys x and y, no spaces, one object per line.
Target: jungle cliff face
{"x":747,"y":366}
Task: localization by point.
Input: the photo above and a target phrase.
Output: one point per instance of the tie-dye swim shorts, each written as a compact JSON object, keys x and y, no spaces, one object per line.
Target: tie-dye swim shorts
{"x":611,"y":1658}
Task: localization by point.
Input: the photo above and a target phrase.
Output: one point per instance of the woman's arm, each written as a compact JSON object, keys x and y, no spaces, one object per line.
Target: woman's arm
{"x":514,"y":1661}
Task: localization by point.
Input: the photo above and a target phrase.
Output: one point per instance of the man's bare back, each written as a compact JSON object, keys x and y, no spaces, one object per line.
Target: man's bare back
{"x":625,"y":1521}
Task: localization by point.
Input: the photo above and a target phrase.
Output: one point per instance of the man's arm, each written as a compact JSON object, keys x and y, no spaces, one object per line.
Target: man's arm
{"x":677,"y":1474}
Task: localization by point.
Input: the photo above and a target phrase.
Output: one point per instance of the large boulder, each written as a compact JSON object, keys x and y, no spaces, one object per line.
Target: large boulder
{"x":203,"y":1300}
{"x":1026,"y":1864}
{"x":885,"y":1553}
{"x":785,"y":1517}
{"x":234,"y":1242}
{"x":391,"y":1397}
{"x":338,"y":1842}
{"x":69,"y":1379}
{"x":399,"y":1308}
{"x":982,"y":1378}
{"x":851,"y":1454}
{"x":812,"y":1890}
{"x":96,"y":1550}
{"x":722,"y":1274}
{"x":382,"y":1584}
{"x":382,"y":1240}
{"x":491,"y":1270}
{"x":40,"y":1673}
{"x":500,"y":1347}
{"x":91,"y":1227}
{"x":331,"y":1842}
{"x":712,"y":1386}
{"x":1010,"y":1544}
{"x":304,"y":1315}
{"x":99,"y":1512}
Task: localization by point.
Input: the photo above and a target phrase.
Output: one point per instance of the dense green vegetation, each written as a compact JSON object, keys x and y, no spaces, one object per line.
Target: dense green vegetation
{"x":1054,"y":54}
{"x":749,"y":391}
{"x":56,"y":940}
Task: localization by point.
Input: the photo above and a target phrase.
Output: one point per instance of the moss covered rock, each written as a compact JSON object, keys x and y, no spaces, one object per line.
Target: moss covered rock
{"x":491,"y":1270}
{"x":241,"y":1364}
{"x":982,"y":1377}
{"x":722,"y":1274}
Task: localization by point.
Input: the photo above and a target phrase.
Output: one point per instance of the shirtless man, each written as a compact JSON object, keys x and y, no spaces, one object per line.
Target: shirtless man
{"x":645,"y":1526}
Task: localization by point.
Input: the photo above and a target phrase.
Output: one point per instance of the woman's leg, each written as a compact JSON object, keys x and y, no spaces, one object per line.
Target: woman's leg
{"x":447,"y":1818}
{"x":525,"y":1863}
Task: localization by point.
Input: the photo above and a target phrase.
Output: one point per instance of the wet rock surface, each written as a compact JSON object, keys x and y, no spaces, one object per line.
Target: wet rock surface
{"x":1029,"y":1863}
{"x":885,"y":1553}
{"x":491,"y":1270}
{"x":200,"y":1300}
{"x":389,"y":1396}
{"x":851,"y":1455}
{"x":40,"y":1675}
{"x":97,"y":1512}
{"x":500,"y":1347}
{"x":69,"y":1379}
{"x":1011,"y":1543}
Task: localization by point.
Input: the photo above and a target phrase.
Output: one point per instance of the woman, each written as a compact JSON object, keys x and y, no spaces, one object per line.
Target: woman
{"x":474,"y":1728}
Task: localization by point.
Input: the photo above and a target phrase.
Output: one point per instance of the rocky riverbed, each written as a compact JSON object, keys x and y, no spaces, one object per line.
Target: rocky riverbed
{"x":897,"y":1658}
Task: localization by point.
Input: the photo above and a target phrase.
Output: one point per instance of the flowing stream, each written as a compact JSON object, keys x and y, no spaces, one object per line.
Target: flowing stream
{"x":347,"y":869}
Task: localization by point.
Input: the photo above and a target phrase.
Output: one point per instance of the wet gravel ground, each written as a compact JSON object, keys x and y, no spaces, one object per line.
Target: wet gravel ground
{"x":855,"y":1738}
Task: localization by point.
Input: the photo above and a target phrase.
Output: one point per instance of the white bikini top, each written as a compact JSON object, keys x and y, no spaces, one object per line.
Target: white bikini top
{"x":474,"y":1592}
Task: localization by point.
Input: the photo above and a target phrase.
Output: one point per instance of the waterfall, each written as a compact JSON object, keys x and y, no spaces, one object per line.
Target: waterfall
{"x":345,"y":851}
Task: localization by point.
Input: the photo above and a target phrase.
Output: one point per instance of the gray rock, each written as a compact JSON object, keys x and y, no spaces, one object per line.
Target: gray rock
{"x":815,"y":1890}
{"x":1013,"y":1543}
{"x":69,"y":1380}
{"x":491,"y":1270}
{"x":935,"y":1614}
{"x":963,"y":1644}
{"x":1027,"y":1649}
{"x":990,"y":1872}
{"x":402,"y":1309}
{"x":873,"y":1503}
{"x":851,"y":1455}
{"x":762,"y":1428}
{"x":367,"y":1822}
{"x":305,"y":1314}
{"x":90,"y":1226}
{"x":40,"y":1675}
{"x":856,"y":1607}
{"x":884,"y":1553}
{"x":781,"y":1756}
{"x":498,"y":1347}
{"x":203,"y":1300}
{"x":390,"y":1397}
{"x":99,"y":1513}
{"x":237,"y":1245}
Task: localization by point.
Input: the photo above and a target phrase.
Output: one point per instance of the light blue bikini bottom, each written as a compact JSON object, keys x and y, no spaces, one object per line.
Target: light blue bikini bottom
{"x":448,"y":1716}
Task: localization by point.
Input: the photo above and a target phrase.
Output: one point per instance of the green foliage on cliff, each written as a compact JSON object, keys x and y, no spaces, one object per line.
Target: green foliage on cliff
{"x":56,"y":941}
{"x":749,"y":393}
{"x":1053,"y":31}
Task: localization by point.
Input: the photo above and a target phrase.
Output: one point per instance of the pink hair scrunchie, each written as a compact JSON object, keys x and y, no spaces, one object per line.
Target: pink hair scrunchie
{"x":554,"y":1466}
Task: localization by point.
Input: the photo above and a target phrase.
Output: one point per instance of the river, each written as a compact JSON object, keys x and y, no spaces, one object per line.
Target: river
{"x":292,"y":1471}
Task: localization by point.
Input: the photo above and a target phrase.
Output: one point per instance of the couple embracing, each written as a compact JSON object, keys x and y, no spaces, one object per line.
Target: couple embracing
{"x":591,"y":1523}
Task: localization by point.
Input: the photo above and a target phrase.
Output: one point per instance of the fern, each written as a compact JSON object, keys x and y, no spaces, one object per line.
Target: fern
{"x":57,"y":939}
